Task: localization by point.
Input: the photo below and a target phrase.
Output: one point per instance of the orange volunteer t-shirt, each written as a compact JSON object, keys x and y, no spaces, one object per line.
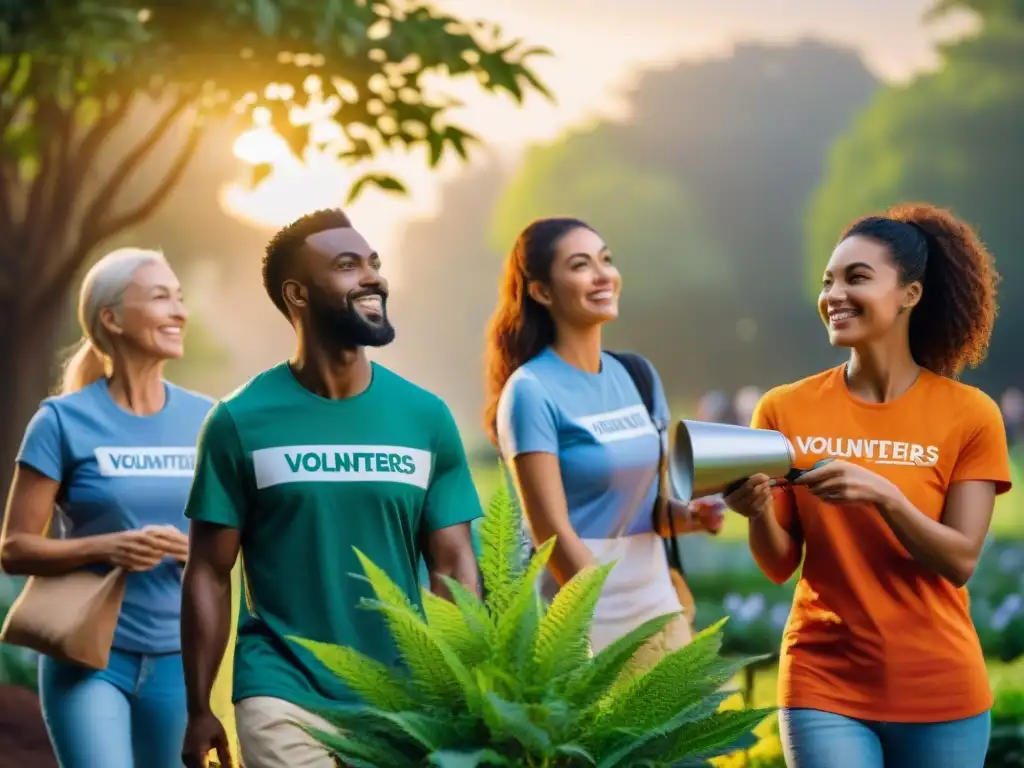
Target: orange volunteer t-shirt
{"x":873,"y":634}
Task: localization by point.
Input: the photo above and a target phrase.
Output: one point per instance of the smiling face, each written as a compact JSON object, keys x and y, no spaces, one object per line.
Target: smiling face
{"x":343,"y":294}
{"x":862,"y":298}
{"x":152,"y":316}
{"x":584,"y":286}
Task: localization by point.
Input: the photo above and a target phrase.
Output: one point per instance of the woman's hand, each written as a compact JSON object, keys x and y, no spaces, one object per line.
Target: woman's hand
{"x":840,"y":482}
{"x":143,"y":549}
{"x":174,"y":542}
{"x":698,"y":516}
{"x":752,"y":499}
{"x":709,"y":513}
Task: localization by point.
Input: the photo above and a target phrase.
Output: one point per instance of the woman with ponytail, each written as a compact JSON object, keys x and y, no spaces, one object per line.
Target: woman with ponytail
{"x":881,"y":666}
{"x":582,"y":447}
{"x":113,"y":455}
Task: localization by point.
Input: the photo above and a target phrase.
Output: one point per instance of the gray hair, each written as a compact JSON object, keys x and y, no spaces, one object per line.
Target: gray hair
{"x":102,"y":288}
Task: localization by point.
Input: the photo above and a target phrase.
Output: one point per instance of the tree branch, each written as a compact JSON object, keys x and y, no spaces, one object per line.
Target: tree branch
{"x":8,"y":78}
{"x":51,"y":192}
{"x":97,"y":210}
{"x":8,"y":114}
{"x":54,"y":283}
{"x":148,"y":206}
{"x":6,"y":202}
{"x":96,"y":135}
{"x":48,"y":115}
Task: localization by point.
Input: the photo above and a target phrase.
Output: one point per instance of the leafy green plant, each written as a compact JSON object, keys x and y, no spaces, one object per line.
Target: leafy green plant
{"x":510,"y":681}
{"x":1006,"y":747}
{"x":17,"y":665}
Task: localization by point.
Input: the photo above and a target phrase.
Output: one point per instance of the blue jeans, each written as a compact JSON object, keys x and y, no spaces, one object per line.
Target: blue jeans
{"x":815,"y":739}
{"x":129,"y":715}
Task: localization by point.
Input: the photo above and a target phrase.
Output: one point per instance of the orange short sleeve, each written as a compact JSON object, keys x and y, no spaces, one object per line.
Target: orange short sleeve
{"x":783,"y":502}
{"x":984,"y":454}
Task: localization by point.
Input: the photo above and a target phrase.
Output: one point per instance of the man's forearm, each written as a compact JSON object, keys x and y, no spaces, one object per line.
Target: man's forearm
{"x":462,"y":569}
{"x":205,"y":628}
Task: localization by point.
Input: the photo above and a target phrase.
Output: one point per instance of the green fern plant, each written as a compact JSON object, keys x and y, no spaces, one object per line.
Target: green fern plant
{"x":510,"y":682}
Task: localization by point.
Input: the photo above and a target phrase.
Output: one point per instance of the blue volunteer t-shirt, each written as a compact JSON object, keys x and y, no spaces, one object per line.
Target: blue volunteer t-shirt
{"x":118,"y":472}
{"x":597,"y":425}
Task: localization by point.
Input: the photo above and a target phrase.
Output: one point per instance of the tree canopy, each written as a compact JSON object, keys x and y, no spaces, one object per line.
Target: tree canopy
{"x":96,"y":93}
{"x":951,"y":138}
{"x":72,"y":71}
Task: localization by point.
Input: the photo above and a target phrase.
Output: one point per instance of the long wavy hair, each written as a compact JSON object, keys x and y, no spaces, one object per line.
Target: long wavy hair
{"x":520,"y":328}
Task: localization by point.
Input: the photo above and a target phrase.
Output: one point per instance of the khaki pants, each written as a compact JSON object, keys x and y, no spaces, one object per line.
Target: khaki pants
{"x":270,"y":736}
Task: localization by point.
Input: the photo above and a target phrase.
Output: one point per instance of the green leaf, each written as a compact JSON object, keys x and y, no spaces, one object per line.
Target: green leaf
{"x":451,"y":758}
{"x":451,"y":625}
{"x":428,"y":732}
{"x":268,"y":17}
{"x":576,"y":751}
{"x":434,"y":667}
{"x":512,"y":720}
{"x":588,"y":683}
{"x":563,"y":640}
{"x":378,"y":684}
{"x":676,"y":682}
{"x":476,"y":613}
{"x":435,"y":141}
{"x":519,"y":621}
{"x":501,"y":537}
{"x":360,"y":750}
{"x":459,"y":138}
{"x":381,"y":181}
{"x":387,"y":591}
{"x":720,"y":734}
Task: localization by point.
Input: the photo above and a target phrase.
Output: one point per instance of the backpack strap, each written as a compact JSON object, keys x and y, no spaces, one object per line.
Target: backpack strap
{"x":642,"y":374}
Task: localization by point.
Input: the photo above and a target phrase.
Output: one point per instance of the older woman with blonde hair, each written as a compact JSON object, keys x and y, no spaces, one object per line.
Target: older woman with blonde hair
{"x":112,"y":457}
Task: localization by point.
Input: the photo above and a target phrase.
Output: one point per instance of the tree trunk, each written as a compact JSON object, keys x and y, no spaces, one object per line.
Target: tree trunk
{"x":28,"y":351}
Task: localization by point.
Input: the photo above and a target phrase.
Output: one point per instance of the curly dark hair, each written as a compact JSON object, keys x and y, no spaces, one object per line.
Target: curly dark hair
{"x":285,"y":244}
{"x":951,"y":326}
{"x":520,"y":328}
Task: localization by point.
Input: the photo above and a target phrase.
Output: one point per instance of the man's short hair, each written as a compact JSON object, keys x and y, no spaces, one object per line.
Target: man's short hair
{"x":283,"y":247}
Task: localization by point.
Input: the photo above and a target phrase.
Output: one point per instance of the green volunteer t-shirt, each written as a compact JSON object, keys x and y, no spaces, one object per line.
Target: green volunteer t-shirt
{"x":306,"y":480}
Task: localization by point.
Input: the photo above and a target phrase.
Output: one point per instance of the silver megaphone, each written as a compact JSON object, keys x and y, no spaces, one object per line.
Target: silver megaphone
{"x":709,"y":459}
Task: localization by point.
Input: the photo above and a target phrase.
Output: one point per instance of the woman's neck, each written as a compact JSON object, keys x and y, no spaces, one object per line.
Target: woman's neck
{"x":879,"y":373}
{"x":332,"y":374}
{"x":137,"y":385}
{"x":580,"y":347}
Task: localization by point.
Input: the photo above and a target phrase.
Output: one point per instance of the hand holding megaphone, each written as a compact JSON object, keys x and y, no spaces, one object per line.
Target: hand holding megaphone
{"x":752,"y":497}
{"x":841,"y":482}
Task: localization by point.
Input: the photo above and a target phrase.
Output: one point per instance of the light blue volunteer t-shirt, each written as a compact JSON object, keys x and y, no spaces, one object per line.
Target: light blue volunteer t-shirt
{"x":121,"y":471}
{"x":597,"y":425}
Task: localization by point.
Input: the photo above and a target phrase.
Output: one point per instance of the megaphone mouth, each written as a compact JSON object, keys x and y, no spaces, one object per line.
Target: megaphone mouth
{"x":680,"y":468}
{"x":726,"y":453}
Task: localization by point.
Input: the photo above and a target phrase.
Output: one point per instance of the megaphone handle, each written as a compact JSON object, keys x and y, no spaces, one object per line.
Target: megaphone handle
{"x":789,"y":477}
{"x":734,"y":486}
{"x":794,"y":473}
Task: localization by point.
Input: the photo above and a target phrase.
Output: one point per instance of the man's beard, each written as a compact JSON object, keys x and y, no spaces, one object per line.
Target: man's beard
{"x":339,"y":323}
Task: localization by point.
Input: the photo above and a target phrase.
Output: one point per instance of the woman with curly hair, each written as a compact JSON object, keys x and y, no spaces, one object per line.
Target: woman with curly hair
{"x":880,"y":664}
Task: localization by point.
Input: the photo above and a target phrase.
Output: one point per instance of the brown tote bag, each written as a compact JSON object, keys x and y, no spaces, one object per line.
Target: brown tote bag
{"x":69,"y":618}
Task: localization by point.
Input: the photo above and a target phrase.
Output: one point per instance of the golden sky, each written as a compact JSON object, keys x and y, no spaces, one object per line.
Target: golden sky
{"x":598,"y":50}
